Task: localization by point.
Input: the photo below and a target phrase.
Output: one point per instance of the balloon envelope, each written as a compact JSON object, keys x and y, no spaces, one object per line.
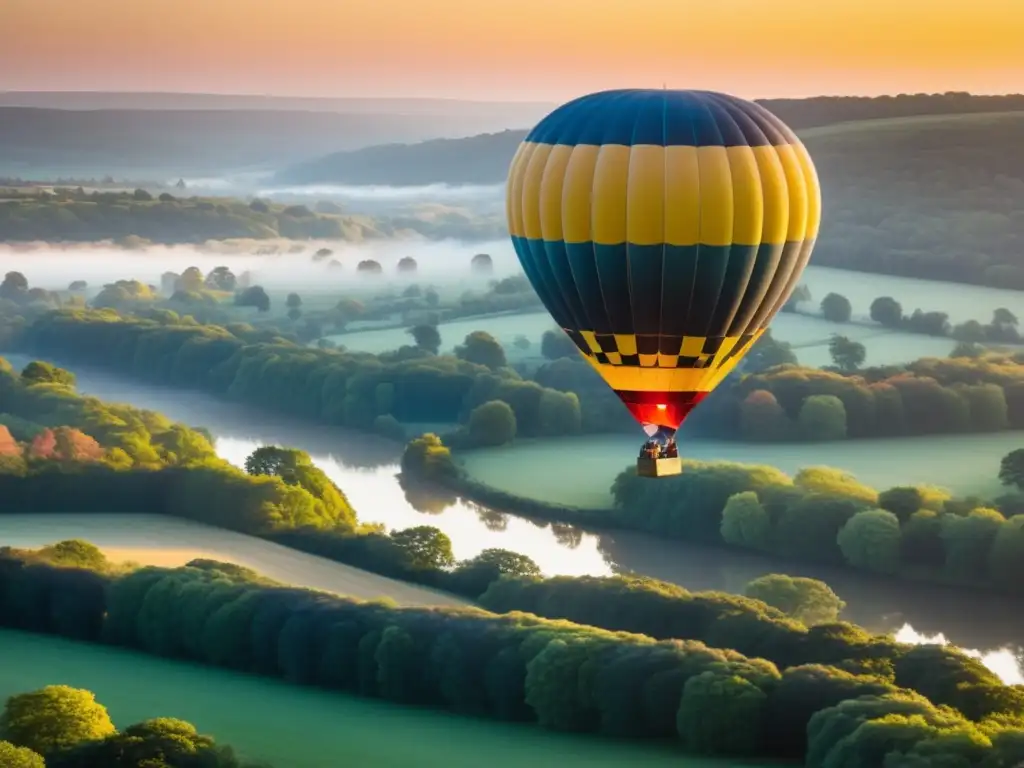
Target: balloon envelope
{"x":663,"y":230}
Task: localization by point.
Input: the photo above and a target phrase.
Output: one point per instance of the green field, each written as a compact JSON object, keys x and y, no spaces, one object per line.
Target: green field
{"x":293,"y":727}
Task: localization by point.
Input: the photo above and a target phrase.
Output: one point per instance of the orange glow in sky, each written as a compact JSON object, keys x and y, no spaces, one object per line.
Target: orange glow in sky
{"x":512,"y":49}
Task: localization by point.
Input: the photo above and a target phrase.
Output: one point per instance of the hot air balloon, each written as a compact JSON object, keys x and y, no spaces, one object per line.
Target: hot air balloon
{"x":663,"y":230}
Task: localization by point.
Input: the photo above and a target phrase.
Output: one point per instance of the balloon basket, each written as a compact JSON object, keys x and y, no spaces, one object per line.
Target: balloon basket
{"x":648,"y":467}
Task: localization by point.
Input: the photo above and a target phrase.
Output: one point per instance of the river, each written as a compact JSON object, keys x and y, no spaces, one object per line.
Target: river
{"x":365,"y":467}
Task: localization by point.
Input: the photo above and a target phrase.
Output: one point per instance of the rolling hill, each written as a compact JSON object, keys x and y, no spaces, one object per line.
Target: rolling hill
{"x":484,"y":158}
{"x":181,"y":135}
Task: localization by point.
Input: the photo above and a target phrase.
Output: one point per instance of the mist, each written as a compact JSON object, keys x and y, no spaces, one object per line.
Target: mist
{"x":277,"y":263}
{"x":375,"y":198}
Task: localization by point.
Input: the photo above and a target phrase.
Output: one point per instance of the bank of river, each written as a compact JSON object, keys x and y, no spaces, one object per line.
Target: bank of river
{"x":366,"y":467}
{"x":292,"y":727}
{"x":170,"y":542}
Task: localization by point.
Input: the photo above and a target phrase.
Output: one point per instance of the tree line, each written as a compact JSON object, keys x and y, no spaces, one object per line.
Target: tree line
{"x":138,"y":218}
{"x":826,"y":516}
{"x":63,"y":727}
{"x":342,"y":388}
{"x":564,"y":397}
{"x":1002,"y":328}
{"x":558,"y":674}
{"x":924,"y":397}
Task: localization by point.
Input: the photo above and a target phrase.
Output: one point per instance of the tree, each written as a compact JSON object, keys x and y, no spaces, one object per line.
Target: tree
{"x":556,"y":344}
{"x":75,"y":553}
{"x":19,"y":757}
{"x":767,"y":352}
{"x":473,"y":577}
{"x":968,"y":542}
{"x":902,"y":501}
{"x":823,"y":417}
{"x":142,"y":196}
{"x":53,"y":719}
{"x":78,"y":286}
{"x":369,"y":267}
{"x":762,"y":418}
{"x":886,"y":311}
{"x":482,"y":264}
{"x":14,"y":286}
{"x":349,"y":308}
{"x":253,"y":297}
{"x":836,"y":308}
{"x":871,"y":540}
{"x":407,"y":265}
{"x":74,"y":445}
{"x":1011,"y":468}
{"x":483,"y":349}
{"x":294,"y":301}
{"x":722,"y":713}
{"x":807,"y":600}
{"x":847,"y":354}
{"x":521,"y":343}
{"x":258,"y":206}
{"x":1003,"y":316}
{"x":428,"y":457}
{"x":491,"y":424}
{"x":431,"y":297}
{"x":322,"y":254}
{"x":801,"y":295}
{"x":273,"y":460}
{"x":426,"y":546}
{"x":221,"y":279}
{"x":8,"y":445}
{"x":38,"y":372}
{"x":191,"y":280}
{"x":967,"y":349}
{"x":745,"y":523}
{"x":294,"y":314}
{"x":426,"y":337}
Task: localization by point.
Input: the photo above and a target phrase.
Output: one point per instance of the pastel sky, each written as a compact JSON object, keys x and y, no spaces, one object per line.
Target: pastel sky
{"x":512,"y":49}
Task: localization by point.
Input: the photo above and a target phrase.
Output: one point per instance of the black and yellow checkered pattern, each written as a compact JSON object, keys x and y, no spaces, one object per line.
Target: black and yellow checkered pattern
{"x":659,"y":351}
{"x":659,"y":363}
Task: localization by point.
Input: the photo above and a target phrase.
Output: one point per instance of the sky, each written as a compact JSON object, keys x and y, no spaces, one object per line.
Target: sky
{"x":521,"y":50}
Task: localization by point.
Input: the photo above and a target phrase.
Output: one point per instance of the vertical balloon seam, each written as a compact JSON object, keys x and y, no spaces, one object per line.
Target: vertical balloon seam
{"x":792,"y":278}
{"x":712,"y":329}
{"x":766,"y":309}
{"x":626,"y":206}
{"x":581,"y":314}
{"x":547,"y":246}
{"x":709,"y":329}
{"x":593,"y":243}
{"x":770,"y":146}
{"x":746,"y":298}
{"x":588,"y":118}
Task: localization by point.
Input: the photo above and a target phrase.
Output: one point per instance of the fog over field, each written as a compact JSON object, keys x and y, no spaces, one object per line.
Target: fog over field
{"x":53,"y":266}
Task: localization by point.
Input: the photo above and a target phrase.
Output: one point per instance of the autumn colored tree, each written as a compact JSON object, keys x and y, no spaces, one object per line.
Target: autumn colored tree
{"x":8,"y":445}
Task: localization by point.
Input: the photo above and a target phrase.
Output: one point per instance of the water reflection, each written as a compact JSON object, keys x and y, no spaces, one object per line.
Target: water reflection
{"x":378,"y":498}
{"x":1005,"y":662}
